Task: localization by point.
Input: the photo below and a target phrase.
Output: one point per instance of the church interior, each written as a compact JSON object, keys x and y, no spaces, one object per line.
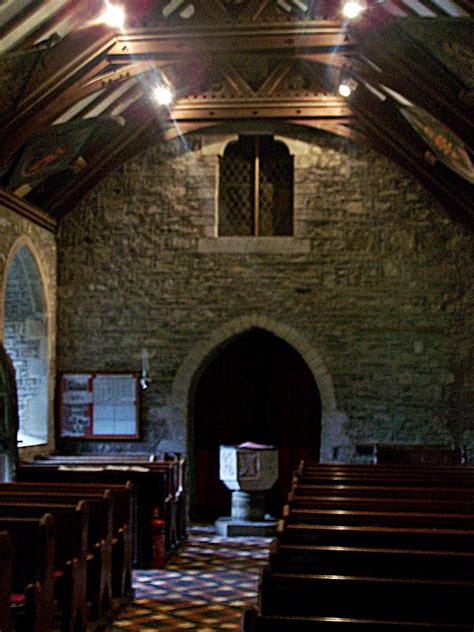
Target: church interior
{"x":236,"y":280}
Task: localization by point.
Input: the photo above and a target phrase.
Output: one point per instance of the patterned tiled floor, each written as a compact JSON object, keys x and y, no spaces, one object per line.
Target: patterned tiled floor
{"x":205,"y":587}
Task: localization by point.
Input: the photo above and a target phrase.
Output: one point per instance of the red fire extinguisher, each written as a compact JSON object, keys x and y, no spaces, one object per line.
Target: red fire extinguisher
{"x":157,"y":541}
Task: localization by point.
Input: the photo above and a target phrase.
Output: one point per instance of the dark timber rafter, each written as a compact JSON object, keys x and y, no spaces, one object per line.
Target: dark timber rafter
{"x":54,"y":87}
{"x":419,"y":77}
{"x":379,"y":122}
{"x":278,"y":38}
{"x":229,"y":65}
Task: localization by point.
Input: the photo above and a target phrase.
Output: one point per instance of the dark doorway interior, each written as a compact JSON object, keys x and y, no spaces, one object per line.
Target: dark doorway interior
{"x":258,"y":388}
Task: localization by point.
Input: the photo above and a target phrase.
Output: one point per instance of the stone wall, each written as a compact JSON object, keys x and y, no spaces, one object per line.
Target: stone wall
{"x":17,"y":231}
{"x":373,"y":290}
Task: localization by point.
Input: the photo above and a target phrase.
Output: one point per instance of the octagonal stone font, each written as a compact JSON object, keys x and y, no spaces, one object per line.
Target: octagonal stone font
{"x":248,"y":467}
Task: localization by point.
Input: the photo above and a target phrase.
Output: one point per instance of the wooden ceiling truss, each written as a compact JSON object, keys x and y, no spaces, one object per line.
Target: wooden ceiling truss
{"x":231,"y":64}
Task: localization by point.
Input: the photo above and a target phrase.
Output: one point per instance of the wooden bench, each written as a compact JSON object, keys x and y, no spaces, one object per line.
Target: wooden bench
{"x":432,"y":492}
{"x":120,"y":501}
{"x":361,"y":549}
{"x":254,"y":621}
{"x":378,"y":518}
{"x":366,"y":597}
{"x":150,"y":494}
{"x":378,"y":537}
{"x":378,"y":503}
{"x":306,"y":465}
{"x":173,"y":509}
{"x":399,"y":478}
{"x":416,"y":454}
{"x":32,"y":542}
{"x":5,"y":582}
{"x":100,"y":533}
{"x":390,"y":562}
{"x":70,"y":555}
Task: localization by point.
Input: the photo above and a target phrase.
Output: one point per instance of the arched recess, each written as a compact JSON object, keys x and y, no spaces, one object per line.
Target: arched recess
{"x":26,"y":340}
{"x":194,"y":365}
{"x":8,"y":418}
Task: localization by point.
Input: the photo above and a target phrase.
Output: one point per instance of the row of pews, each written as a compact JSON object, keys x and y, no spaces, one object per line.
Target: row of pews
{"x":70,"y":552}
{"x":371,"y":547}
{"x":72,"y":529}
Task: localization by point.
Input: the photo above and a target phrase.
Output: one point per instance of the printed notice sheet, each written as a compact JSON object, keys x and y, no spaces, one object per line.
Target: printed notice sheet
{"x":114,"y":405}
{"x":99,"y":405}
{"x":76,"y":405}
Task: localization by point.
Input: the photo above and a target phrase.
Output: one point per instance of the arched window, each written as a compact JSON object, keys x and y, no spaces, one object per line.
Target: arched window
{"x":256,"y":188}
{"x":26,"y":341}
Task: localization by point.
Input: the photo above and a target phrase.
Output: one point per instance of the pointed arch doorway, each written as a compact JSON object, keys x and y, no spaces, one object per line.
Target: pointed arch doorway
{"x":256,"y":388}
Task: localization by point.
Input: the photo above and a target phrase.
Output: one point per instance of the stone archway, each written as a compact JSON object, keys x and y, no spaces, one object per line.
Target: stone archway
{"x":332,"y":420}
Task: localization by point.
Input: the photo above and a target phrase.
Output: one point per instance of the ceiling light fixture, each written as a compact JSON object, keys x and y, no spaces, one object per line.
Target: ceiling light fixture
{"x":113,"y":15}
{"x":352,"y":9}
{"x":163,"y":94}
{"x":347,"y":87}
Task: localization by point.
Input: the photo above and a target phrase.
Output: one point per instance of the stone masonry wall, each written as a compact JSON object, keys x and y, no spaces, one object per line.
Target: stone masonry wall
{"x":376,"y":285}
{"x":15,"y":232}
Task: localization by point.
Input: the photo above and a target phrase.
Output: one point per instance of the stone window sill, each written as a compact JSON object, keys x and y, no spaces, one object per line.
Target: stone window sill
{"x":27,"y":441}
{"x":254,"y":245}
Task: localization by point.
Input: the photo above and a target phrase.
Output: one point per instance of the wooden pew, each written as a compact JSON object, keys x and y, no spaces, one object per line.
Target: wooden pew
{"x":366,"y":490}
{"x":5,"y":582}
{"x":366,"y":597}
{"x":379,"y":537}
{"x":384,"y":475}
{"x":394,"y":562}
{"x":398,"y":478}
{"x":173,"y":509}
{"x":364,"y":548}
{"x":100,"y":508}
{"x":254,"y":620}
{"x":378,"y":518}
{"x":378,"y":503}
{"x":32,"y":542}
{"x":119,"y":497}
{"x":151,"y":494}
{"x":308,"y":465}
{"x":70,"y":555}
{"x":416,"y":454}
{"x":129,"y":457}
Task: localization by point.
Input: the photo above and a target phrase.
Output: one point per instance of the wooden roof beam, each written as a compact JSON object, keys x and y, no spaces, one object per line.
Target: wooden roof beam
{"x":72,"y":15}
{"x":139,"y":127}
{"x":325,"y":107}
{"x":421,"y":79}
{"x":55,"y":87}
{"x":379,"y":124}
{"x":232,"y":39}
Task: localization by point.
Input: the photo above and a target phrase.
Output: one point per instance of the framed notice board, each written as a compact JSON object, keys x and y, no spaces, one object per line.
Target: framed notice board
{"x":99,"y":405}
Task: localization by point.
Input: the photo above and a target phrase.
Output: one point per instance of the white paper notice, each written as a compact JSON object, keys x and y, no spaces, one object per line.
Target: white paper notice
{"x":76,"y":389}
{"x":114,"y":405}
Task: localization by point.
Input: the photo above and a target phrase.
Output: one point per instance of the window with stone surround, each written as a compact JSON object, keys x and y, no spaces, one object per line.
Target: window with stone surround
{"x":26,"y":342}
{"x":256,"y":188}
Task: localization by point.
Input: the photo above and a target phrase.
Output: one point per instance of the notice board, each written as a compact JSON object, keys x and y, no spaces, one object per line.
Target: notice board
{"x":99,"y":405}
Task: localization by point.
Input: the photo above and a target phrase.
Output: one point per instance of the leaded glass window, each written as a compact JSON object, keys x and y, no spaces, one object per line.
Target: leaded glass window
{"x":256,"y":188}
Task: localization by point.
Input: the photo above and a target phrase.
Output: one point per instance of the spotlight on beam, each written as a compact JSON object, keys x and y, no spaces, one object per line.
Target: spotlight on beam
{"x":347,"y":87}
{"x":113,"y":15}
{"x":352,"y":9}
{"x":163,"y":94}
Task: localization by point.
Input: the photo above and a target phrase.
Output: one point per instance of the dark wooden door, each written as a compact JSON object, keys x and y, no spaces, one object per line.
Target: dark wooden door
{"x":258,"y":388}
